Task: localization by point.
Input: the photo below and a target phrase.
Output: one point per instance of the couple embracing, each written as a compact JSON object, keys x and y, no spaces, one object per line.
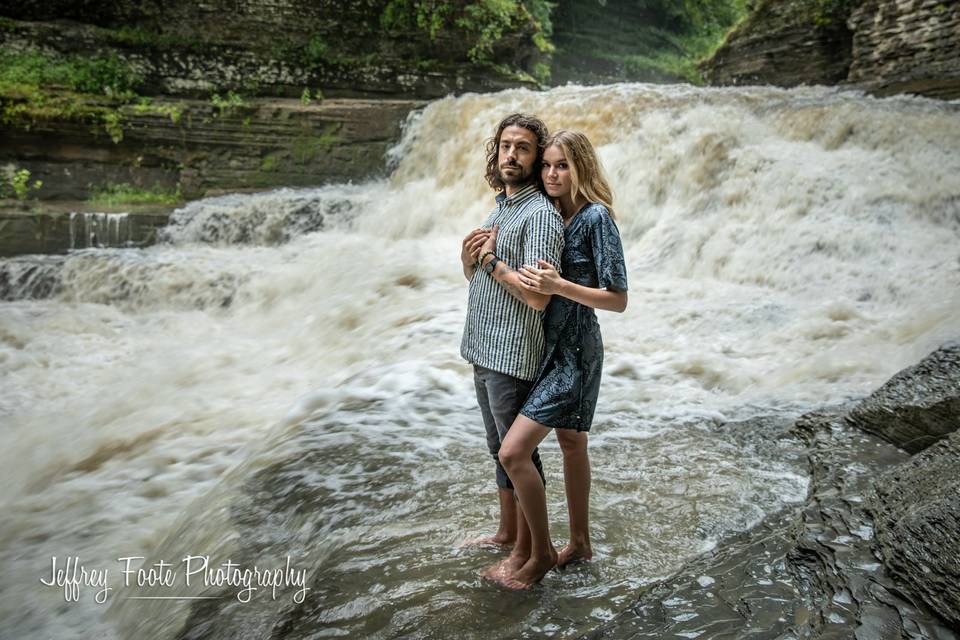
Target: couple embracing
{"x":546,"y":257}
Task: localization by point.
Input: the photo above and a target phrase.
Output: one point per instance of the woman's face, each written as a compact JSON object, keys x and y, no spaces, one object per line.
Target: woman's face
{"x":555,"y":172}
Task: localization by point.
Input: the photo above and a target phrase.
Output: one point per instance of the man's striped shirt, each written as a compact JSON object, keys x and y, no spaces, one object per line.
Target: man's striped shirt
{"x":502,"y":333}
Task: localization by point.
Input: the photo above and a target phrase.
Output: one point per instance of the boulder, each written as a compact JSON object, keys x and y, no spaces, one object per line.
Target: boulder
{"x":916,"y":506}
{"x":919,"y":405}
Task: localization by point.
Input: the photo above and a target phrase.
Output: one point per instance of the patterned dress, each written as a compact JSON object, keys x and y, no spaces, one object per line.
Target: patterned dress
{"x":565,"y":392}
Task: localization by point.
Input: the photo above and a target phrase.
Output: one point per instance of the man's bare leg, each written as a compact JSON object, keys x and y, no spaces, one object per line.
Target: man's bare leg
{"x":576,"y":481}
{"x":515,"y":455}
{"x":507,"y":530}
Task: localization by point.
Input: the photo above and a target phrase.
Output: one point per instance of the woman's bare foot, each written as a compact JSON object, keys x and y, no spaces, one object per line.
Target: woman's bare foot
{"x":530,"y":573}
{"x":574,"y":553}
{"x":498,"y":572}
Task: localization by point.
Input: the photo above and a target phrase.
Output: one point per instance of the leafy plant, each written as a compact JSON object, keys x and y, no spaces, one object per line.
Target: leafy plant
{"x":228,"y":104}
{"x":20,"y":183}
{"x":116,"y":194}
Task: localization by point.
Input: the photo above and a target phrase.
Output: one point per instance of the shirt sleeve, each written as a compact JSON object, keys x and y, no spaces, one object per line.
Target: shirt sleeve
{"x":608,"y":252}
{"x":544,"y":238}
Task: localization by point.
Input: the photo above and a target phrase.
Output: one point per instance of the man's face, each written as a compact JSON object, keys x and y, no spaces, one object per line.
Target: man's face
{"x":516,"y":155}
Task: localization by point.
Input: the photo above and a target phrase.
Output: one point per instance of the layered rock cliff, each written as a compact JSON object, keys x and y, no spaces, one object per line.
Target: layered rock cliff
{"x":883,"y":46}
{"x":196,"y":99}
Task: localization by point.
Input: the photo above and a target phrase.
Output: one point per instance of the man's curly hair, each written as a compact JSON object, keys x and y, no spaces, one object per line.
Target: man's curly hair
{"x":531,"y":123}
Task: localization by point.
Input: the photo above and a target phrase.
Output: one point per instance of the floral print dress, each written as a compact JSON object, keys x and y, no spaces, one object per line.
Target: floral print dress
{"x":564,"y":395}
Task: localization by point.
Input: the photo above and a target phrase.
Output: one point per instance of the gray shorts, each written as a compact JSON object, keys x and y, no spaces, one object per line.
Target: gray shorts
{"x":500,"y":397}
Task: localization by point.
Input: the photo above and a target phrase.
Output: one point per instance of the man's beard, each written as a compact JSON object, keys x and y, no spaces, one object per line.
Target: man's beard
{"x":518,"y":179}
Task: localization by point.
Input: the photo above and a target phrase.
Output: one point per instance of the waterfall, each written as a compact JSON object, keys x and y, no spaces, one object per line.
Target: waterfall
{"x":280,"y":375}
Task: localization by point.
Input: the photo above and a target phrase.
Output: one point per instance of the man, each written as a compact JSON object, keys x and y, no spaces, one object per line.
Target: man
{"x":503,"y":335}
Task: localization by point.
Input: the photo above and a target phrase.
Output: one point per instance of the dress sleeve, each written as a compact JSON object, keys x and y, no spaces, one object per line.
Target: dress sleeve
{"x":608,"y":252}
{"x":544,"y":238}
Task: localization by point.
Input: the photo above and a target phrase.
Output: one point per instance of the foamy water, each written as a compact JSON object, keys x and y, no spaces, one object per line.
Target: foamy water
{"x":282,"y":376}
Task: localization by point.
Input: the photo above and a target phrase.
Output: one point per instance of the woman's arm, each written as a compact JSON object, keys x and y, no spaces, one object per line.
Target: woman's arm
{"x":545,"y":280}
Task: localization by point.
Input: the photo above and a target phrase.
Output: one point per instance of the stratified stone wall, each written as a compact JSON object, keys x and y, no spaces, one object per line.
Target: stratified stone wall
{"x":275,"y":47}
{"x":883,"y":46}
{"x":782,"y":44}
{"x":907,"y":46}
{"x":263,"y":144}
{"x":917,"y":510}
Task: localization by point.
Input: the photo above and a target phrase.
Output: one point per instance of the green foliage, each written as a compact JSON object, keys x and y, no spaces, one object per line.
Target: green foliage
{"x":429,"y":16}
{"x":543,"y":43}
{"x":315,"y":52}
{"x":117,"y":194}
{"x":541,"y":71}
{"x":830,"y":12}
{"x":6,"y":24}
{"x":667,"y":44}
{"x":141,"y":37}
{"x":305,"y":96}
{"x":144,"y":105}
{"x":481,"y":24}
{"x":306,"y":148}
{"x":270,"y":163}
{"x":227,"y":105}
{"x":113,"y":123}
{"x":107,"y":75}
{"x":20,"y":184}
{"x":36,"y":86}
{"x":484,"y":22}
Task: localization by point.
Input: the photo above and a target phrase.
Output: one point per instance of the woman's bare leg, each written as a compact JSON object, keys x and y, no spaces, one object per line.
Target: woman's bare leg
{"x":520,"y":552}
{"x":515,"y":456}
{"x":576,"y":481}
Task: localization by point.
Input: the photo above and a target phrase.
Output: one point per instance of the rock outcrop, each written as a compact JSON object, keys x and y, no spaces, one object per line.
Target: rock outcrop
{"x":872,"y":553}
{"x":919,"y":405}
{"x":236,"y":95}
{"x":907,"y":46}
{"x":883,"y":46}
{"x":203,"y":150}
{"x":781,"y":43}
{"x":917,"y":511}
{"x":276,"y":47}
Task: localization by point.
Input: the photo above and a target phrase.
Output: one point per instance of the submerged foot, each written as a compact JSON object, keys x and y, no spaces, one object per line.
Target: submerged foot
{"x":530,"y":573}
{"x":509,"y":565}
{"x":574,"y":553}
{"x":496,"y":540}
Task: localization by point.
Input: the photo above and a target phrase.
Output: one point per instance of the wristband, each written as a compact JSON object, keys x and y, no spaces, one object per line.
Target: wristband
{"x":484,"y":255}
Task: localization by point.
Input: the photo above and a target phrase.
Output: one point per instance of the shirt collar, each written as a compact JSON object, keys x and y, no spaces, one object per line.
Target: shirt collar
{"x":524,"y":193}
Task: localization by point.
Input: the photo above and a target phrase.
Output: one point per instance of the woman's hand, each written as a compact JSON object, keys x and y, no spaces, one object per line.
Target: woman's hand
{"x":543,"y":279}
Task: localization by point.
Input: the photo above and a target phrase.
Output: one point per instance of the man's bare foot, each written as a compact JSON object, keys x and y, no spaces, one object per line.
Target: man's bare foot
{"x":530,"y":573}
{"x":497,"y":540}
{"x":504,"y":568}
{"x":574,"y":553}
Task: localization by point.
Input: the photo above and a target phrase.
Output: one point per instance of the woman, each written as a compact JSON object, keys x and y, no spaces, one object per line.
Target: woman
{"x":564,"y":395}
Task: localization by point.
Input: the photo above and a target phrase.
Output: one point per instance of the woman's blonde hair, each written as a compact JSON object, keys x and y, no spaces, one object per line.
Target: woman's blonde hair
{"x":586,"y":173}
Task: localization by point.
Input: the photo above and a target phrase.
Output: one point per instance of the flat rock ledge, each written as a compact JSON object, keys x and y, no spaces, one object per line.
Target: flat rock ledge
{"x":871,"y":554}
{"x":919,"y":405}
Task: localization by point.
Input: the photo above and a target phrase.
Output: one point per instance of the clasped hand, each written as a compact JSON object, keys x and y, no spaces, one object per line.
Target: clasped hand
{"x":543,"y":279}
{"x":472,"y":246}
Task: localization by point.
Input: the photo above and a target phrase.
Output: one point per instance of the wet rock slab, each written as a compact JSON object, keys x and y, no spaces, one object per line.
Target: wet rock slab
{"x":917,"y":406}
{"x":917,"y":510}
{"x":803,"y":573}
{"x":821,"y":571}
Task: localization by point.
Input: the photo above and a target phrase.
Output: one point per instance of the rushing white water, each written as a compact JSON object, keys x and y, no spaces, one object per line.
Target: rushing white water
{"x":99,"y":230}
{"x":257,"y":388}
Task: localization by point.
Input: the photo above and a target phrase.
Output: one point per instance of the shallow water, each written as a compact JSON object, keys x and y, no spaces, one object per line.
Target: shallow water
{"x":255,"y":388}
